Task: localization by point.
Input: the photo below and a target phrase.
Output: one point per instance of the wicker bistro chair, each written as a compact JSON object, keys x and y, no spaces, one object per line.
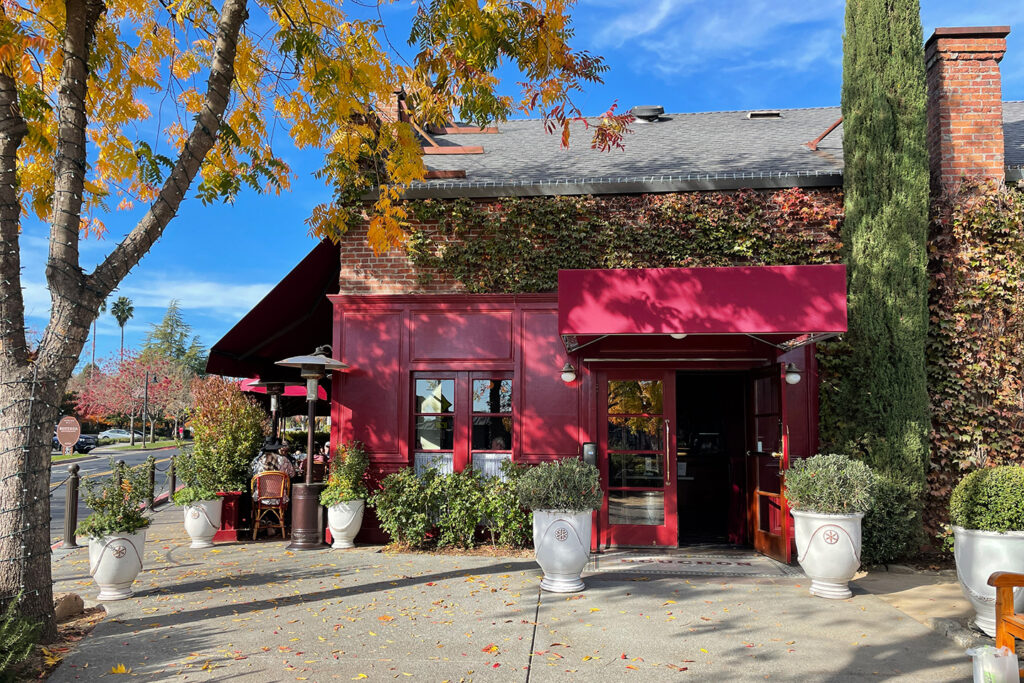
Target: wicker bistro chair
{"x":269,"y":493}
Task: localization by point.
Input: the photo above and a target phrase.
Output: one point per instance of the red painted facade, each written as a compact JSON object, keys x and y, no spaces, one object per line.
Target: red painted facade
{"x":391,"y":341}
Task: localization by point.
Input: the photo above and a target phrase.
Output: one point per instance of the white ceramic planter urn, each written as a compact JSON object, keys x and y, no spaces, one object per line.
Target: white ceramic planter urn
{"x":344,"y":520}
{"x":202,"y":520}
{"x":828,"y":550}
{"x":979,"y":554}
{"x":561,"y":540}
{"x":114,"y":562}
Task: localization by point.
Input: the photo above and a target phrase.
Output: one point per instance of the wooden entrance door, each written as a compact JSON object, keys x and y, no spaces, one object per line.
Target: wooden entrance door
{"x":636,"y":438}
{"x":767,"y":460}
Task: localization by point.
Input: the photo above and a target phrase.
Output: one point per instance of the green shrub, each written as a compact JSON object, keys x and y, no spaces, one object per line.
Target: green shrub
{"x":567,"y":484}
{"x":829,"y":484}
{"x":990,"y":499}
{"x":17,"y":636}
{"x":116,"y":509}
{"x":200,"y":483}
{"x":402,"y":508}
{"x":345,"y":481}
{"x":298,"y":440}
{"x":505,"y":519}
{"x":456,"y":502}
{"x":892,"y":527}
{"x":228,"y":429}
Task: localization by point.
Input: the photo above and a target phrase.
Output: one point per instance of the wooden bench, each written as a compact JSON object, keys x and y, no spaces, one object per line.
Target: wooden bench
{"x":1009,"y":625}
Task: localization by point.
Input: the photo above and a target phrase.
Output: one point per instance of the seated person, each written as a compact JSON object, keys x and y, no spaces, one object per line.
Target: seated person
{"x":271,"y":462}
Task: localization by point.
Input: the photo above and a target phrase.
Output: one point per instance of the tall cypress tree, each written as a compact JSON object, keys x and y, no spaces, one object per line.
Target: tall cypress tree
{"x":883,"y":406}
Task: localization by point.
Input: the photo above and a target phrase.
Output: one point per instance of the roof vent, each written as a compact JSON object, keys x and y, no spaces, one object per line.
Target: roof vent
{"x":765,"y":114}
{"x":647,"y":114}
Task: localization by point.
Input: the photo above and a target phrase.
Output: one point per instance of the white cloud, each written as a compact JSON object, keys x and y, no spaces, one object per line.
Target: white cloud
{"x":213,"y":298}
{"x":640,"y":21}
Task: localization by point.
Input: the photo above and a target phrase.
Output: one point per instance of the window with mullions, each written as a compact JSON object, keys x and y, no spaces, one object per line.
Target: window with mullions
{"x":491,"y":437}
{"x":434,"y":413}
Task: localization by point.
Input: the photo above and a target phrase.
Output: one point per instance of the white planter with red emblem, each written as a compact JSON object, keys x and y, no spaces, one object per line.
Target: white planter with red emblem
{"x":979,"y":554}
{"x":202,"y":520}
{"x":114,"y":562}
{"x":561,"y":539}
{"x":828,"y":550}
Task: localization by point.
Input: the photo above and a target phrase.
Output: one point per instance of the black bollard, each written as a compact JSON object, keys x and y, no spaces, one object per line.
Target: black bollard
{"x":71,"y":508}
{"x":119,"y":472}
{"x":151,"y":462}
{"x":171,"y":479}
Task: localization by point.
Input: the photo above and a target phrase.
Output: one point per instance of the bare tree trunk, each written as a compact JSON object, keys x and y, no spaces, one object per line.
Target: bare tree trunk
{"x":131,"y":429}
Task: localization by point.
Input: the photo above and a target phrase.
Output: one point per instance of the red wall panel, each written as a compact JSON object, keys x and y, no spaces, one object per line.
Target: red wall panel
{"x":549,"y":409}
{"x":462,"y":335}
{"x":372,"y":390}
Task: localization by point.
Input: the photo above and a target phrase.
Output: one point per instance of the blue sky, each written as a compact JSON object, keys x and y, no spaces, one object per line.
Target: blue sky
{"x":686,"y":55}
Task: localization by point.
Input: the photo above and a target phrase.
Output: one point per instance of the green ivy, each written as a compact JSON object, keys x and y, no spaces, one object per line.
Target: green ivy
{"x":519,"y":244}
{"x":975,"y":365}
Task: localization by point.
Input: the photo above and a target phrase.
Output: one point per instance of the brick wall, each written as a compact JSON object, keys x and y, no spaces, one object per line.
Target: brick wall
{"x":363,"y":272}
{"x":965,"y":104}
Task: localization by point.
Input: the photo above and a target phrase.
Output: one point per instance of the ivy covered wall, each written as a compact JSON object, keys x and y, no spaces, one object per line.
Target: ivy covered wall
{"x":518,"y":245}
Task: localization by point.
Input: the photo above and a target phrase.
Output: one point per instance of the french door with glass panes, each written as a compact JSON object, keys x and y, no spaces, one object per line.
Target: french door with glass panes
{"x":636,"y":437}
{"x":462,"y":419}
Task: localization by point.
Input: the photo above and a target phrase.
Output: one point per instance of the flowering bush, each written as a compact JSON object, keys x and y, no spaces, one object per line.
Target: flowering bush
{"x":345,"y":478}
{"x":116,"y":502}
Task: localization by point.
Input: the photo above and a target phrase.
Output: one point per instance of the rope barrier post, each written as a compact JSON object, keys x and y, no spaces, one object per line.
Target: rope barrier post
{"x":71,"y":508}
{"x":151,"y":462}
{"x":171,"y":481}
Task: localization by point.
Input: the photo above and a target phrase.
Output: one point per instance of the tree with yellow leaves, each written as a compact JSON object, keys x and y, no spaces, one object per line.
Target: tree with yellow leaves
{"x":78,"y":83}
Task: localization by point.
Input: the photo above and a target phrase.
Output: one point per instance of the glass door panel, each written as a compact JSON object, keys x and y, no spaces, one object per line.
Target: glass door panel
{"x":636,"y":432}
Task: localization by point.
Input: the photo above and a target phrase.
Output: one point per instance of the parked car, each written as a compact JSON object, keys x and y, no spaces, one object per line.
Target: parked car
{"x":85,"y":443}
{"x":119,"y":435}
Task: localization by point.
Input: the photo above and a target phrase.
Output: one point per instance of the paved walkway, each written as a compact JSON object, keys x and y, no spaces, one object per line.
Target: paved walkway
{"x":256,"y":612}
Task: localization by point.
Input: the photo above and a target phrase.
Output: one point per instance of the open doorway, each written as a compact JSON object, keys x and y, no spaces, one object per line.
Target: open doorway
{"x":711,"y":441}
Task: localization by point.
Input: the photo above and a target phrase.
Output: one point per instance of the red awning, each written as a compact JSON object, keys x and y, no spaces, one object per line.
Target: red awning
{"x":292,"y":319}
{"x":786,"y":306}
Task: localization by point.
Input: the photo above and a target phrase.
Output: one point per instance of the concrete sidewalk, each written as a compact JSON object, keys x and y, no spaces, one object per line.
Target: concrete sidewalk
{"x":256,"y":612}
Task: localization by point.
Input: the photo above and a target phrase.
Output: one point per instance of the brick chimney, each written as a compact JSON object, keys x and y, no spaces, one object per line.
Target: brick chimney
{"x":965,"y":104}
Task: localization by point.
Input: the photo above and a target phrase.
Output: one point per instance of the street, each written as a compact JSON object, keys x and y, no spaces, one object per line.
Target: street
{"x":97,"y":464}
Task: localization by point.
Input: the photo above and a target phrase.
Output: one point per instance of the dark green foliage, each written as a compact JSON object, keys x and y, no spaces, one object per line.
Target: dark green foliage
{"x":897,"y":507}
{"x":410,"y":506}
{"x":173,"y":340}
{"x":990,"y":499}
{"x":200,"y":483}
{"x":346,"y":479}
{"x":457,"y":504}
{"x":829,"y":484}
{"x":17,"y":636}
{"x":881,"y":406}
{"x":298,"y":440}
{"x":568,"y":484}
{"x":505,"y":519}
{"x":116,"y":509}
{"x":402,"y":507}
{"x":518,"y":245}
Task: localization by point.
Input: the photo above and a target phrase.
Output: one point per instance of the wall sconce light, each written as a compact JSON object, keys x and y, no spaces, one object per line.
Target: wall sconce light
{"x":792,"y":374}
{"x":678,"y":336}
{"x":568,"y":373}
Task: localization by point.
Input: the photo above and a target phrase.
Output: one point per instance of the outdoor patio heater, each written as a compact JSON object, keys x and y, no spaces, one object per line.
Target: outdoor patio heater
{"x":306,"y":533}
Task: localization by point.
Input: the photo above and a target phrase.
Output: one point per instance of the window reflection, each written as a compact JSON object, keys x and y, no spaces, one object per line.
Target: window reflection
{"x":492,"y":396}
{"x":646,"y":508}
{"x":634,"y":397}
{"x":634,"y":434}
{"x":435,"y":395}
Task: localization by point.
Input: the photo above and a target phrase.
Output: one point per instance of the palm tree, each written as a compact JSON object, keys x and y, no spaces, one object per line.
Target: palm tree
{"x":122,"y":310}
{"x":103,"y":307}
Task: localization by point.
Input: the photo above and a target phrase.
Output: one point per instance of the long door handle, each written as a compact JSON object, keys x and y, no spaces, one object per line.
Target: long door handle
{"x":668,"y":455}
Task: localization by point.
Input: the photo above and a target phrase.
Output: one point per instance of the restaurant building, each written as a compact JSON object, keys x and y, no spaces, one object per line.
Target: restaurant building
{"x":688,"y":387}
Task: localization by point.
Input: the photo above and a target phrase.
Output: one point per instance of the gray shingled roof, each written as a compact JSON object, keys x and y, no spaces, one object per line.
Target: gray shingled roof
{"x":708,"y":150}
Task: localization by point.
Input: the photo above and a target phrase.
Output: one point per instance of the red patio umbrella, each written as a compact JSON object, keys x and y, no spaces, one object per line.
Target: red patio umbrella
{"x":289,"y":389}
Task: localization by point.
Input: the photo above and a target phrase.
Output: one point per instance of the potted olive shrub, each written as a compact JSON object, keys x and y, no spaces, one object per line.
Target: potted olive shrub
{"x":563,"y":495}
{"x":344,"y":495}
{"x":987,"y":513}
{"x":116,"y":529}
{"x":199,"y":497}
{"x":829,"y":495}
